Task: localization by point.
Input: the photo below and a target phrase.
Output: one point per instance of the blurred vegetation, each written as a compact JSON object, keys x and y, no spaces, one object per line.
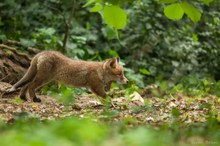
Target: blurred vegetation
{"x":179,"y":56}
{"x":73,"y":131}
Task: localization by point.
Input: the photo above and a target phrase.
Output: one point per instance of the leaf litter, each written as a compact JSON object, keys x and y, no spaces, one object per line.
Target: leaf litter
{"x":141,"y":109}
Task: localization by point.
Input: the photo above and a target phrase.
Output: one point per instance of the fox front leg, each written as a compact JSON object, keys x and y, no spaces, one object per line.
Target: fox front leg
{"x":108,"y":86}
{"x":100,"y":91}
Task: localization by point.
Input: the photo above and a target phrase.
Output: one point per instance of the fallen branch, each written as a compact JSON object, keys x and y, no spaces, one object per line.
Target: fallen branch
{"x":2,"y":46}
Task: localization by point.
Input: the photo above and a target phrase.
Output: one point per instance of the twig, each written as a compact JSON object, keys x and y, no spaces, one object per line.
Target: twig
{"x":3,"y":78}
{"x":67,"y":25}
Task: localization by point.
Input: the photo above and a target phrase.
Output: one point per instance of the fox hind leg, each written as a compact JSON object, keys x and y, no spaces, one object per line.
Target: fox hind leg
{"x":31,"y":89}
{"x":36,"y":83}
{"x":43,"y":76}
{"x":23,"y":92}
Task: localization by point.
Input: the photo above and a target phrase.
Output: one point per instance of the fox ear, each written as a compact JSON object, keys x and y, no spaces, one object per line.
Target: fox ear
{"x":113,"y":62}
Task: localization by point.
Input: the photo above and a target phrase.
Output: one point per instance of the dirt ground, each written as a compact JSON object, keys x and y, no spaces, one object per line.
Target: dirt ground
{"x":133,"y":111}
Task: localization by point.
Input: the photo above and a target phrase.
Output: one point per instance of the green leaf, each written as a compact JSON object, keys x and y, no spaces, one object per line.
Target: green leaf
{"x":191,"y":11}
{"x":175,"y":112}
{"x":195,"y":37}
{"x":3,"y":37}
{"x":207,"y":1}
{"x":115,"y":17}
{"x":47,"y":31}
{"x":26,"y":42}
{"x":90,"y":2}
{"x":167,"y":1}
{"x":113,"y":53}
{"x":174,"y":11}
{"x":144,"y":71}
{"x":96,"y":8}
{"x":109,"y":32}
{"x":216,"y":20}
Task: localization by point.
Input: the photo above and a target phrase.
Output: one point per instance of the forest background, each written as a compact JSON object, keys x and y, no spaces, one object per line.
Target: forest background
{"x":158,"y":43}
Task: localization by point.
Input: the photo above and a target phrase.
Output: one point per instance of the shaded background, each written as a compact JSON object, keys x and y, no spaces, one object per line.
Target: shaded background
{"x":152,"y":47}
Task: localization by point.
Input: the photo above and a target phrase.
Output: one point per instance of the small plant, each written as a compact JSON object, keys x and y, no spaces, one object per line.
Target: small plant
{"x":195,"y":86}
{"x":61,"y":92}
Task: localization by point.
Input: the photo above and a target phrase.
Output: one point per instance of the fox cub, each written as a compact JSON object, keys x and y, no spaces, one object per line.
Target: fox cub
{"x":51,"y":65}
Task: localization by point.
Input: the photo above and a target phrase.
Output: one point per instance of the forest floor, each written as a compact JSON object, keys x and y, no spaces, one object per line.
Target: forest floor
{"x":148,"y":117}
{"x":176,"y":119}
{"x":134,"y":111}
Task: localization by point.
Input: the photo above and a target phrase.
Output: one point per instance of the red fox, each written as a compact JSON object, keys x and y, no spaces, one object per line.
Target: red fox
{"x":51,"y":65}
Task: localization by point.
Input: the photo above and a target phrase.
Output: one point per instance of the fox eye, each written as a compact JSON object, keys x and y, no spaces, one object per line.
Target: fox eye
{"x":119,"y":74}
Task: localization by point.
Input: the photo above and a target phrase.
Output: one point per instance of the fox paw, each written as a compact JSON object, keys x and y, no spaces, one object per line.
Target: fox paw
{"x":23,"y":98}
{"x":35,"y":99}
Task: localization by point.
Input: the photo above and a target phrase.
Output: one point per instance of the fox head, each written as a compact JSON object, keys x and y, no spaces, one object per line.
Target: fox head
{"x":115,"y":72}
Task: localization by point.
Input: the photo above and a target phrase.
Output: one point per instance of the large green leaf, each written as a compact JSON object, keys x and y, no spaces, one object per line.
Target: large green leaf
{"x":174,"y":11}
{"x":115,"y":17}
{"x":191,"y":11}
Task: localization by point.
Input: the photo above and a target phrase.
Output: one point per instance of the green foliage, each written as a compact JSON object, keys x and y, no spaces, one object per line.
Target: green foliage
{"x":144,"y":71}
{"x":177,"y":56}
{"x":207,"y":1}
{"x":176,"y":9}
{"x":167,"y":1}
{"x":167,"y":50}
{"x":96,"y":8}
{"x":170,"y":50}
{"x":142,"y":137}
{"x":194,"y":86}
{"x":73,"y":131}
{"x":134,"y":78}
{"x":191,"y":11}
{"x":62,"y":93}
{"x":66,"y":132}
{"x":114,"y":16}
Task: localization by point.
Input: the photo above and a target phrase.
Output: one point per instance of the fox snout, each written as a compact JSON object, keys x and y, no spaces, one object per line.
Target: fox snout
{"x":124,"y":80}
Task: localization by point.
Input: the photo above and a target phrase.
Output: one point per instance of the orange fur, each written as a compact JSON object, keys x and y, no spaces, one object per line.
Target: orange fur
{"x":51,"y":65}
